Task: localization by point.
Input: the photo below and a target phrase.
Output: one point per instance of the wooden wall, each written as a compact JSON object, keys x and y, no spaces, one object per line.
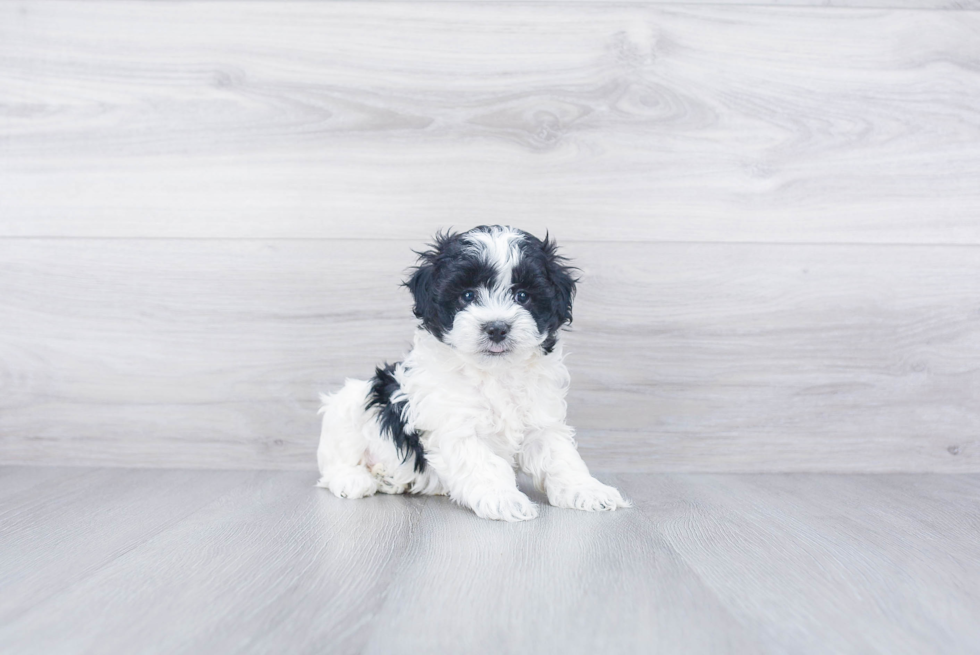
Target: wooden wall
{"x":206,"y":209}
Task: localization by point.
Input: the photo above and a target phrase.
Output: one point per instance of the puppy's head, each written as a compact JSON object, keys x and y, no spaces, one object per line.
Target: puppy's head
{"x":493,"y":292}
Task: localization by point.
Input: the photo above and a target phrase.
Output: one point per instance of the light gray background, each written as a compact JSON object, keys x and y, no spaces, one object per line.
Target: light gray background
{"x":206,"y":210}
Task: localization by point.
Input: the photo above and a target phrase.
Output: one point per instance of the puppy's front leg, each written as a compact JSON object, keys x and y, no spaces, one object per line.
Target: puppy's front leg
{"x":478,"y":478}
{"x":549,"y":456}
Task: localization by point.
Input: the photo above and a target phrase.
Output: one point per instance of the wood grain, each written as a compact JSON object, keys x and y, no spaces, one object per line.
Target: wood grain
{"x":20,"y":479}
{"x":54,"y":532}
{"x":263,"y":562}
{"x":308,"y":567}
{"x":596,"y":120}
{"x":683,"y":356}
{"x":844,"y":564}
{"x":924,"y":5}
{"x":665,"y":144}
{"x":564,"y":583}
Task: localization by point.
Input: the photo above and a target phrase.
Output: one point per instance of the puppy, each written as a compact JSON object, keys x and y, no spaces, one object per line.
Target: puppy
{"x":481,"y":392}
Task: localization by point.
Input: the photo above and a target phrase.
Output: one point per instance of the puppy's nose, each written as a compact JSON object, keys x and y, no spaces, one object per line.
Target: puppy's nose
{"x":496,"y":330}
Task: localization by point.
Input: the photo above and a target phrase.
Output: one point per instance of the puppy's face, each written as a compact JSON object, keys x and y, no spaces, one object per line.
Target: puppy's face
{"x":493,"y":292}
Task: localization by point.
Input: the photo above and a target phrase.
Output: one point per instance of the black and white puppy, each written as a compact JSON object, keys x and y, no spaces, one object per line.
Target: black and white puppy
{"x":481,"y":392}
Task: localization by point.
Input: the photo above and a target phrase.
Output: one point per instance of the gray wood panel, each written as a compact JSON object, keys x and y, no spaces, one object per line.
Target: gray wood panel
{"x":702,"y":564}
{"x":921,"y":5}
{"x":845,"y":564}
{"x":310,"y":571}
{"x":599,"y":121}
{"x":684,"y":356}
{"x":73,"y":525}
{"x":20,"y":479}
{"x":570,"y":583}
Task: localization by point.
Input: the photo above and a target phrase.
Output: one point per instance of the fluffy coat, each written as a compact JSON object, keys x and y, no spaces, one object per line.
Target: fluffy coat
{"x":481,"y":392}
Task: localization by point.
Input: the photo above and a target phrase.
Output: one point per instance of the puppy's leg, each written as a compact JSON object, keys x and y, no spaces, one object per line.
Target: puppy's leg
{"x":344,"y":442}
{"x":549,"y":456}
{"x":478,"y":478}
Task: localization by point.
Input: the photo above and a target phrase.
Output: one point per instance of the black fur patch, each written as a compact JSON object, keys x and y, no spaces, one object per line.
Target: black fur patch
{"x":383,"y":387}
{"x":550,"y":282}
{"x":444,"y":272}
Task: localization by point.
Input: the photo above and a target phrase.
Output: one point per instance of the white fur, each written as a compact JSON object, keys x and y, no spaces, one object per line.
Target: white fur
{"x":479,"y":417}
{"x":499,"y":248}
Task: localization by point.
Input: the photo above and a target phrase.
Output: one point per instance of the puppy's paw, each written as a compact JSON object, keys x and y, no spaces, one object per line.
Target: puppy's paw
{"x":386,"y":481}
{"x":350,"y":483}
{"x":590,"y":496}
{"x":506,"y":506}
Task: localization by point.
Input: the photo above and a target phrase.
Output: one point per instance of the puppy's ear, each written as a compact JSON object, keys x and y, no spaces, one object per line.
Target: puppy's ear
{"x":562,"y":277}
{"x":423,"y":281}
{"x":422,"y":285}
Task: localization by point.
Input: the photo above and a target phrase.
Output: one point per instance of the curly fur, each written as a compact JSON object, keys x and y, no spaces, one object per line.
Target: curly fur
{"x":469,"y":404}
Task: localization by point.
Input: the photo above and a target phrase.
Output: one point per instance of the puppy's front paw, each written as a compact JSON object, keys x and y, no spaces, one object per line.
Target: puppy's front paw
{"x":350,"y":483}
{"x":506,"y":506}
{"x":590,"y":496}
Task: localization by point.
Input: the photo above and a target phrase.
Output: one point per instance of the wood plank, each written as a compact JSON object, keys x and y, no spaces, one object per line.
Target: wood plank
{"x":276,"y":562}
{"x":567,"y":582}
{"x":683,"y":356}
{"x":15,"y":480}
{"x":177,"y":353}
{"x":55,"y":536}
{"x":802,"y":563}
{"x":599,"y":121}
{"x":703,"y":564}
{"x":821,"y":354}
{"x":924,"y":5}
{"x":843,"y":564}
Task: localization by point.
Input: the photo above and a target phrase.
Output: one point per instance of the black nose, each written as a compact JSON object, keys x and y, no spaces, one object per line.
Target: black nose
{"x":496,"y":330}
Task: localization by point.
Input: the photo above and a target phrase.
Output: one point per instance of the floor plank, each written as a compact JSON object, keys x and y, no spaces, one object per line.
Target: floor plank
{"x":55,"y":536}
{"x":565,"y":583}
{"x":600,"y":121}
{"x":274,"y":562}
{"x":18,"y":479}
{"x":843,"y":564}
{"x":702,"y":564}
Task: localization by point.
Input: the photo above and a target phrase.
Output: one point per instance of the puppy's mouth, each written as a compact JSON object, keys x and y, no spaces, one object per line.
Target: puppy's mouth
{"x":496,"y":349}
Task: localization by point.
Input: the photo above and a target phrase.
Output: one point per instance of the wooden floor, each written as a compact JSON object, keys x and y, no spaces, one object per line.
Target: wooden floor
{"x":127,"y":560}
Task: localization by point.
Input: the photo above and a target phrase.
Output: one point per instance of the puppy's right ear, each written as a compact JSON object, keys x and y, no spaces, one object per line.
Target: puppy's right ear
{"x":422,"y":282}
{"x":422,"y":285}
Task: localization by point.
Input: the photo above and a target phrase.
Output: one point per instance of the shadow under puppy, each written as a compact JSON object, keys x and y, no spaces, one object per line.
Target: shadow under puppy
{"x":481,"y":392}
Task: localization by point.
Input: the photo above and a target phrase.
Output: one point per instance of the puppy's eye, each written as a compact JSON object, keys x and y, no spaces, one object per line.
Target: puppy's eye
{"x":521,"y":297}
{"x":468,"y":296}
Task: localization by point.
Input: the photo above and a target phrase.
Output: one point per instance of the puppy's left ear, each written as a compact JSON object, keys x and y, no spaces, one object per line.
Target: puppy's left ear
{"x":563,"y":277}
